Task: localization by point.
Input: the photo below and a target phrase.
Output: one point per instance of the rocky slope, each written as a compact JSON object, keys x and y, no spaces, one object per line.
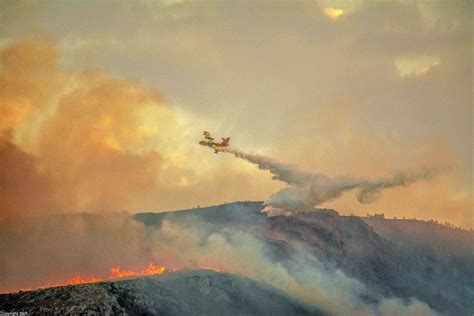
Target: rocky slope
{"x":403,"y":258}
{"x":199,"y":292}
{"x":389,"y":259}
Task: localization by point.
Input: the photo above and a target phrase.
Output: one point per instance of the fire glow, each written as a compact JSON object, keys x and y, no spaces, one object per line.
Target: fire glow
{"x":115,"y":273}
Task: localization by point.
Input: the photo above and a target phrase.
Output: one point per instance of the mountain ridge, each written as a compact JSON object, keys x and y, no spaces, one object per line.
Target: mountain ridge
{"x":387,"y":258}
{"x":196,"y":292}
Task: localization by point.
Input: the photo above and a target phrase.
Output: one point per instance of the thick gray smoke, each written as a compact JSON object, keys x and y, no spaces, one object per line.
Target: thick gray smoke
{"x":307,"y":189}
{"x":88,"y":245}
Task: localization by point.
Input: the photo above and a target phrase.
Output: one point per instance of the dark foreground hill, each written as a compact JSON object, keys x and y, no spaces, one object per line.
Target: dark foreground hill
{"x":198,"y":292}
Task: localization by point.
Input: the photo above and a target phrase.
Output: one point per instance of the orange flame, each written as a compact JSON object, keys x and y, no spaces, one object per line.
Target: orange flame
{"x":115,"y":273}
{"x":151,"y":270}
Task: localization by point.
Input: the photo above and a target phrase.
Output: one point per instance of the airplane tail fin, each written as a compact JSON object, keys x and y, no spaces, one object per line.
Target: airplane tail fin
{"x":225,"y":141}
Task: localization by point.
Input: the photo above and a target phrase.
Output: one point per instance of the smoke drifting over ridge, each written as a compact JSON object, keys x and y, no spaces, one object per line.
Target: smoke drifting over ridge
{"x":90,"y":244}
{"x":307,"y":189}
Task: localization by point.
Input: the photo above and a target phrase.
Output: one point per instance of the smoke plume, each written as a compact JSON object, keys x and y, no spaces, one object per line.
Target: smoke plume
{"x":307,"y":189}
{"x":88,"y":245}
{"x":74,"y":140}
{"x":86,"y":140}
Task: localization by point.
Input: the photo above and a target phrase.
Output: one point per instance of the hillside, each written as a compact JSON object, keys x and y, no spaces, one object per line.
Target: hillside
{"x":200,"y":292}
{"x":403,"y":258}
{"x":332,"y":262}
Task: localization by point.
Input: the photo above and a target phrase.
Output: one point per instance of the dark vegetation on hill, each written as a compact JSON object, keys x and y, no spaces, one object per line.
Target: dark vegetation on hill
{"x":198,"y":292}
{"x":393,"y":258}
{"x":400,"y":259}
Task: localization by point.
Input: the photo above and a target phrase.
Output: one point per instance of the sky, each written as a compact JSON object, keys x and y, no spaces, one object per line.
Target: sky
{"x":102,"y":103}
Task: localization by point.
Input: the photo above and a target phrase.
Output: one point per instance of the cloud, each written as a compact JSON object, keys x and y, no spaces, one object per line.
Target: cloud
{"x":25,"y":188}
{"x":395,"y":307}
{"x":230,"y":75}
{"x":28,"y":78}
{"x":87,"y":140}
{"x":307,"y":189}
{"x":81,"y":131}
{"x":345,"y":140}
{"x":94,"y":142}
{"x":416,"y":66}
{"x":333,"y":13}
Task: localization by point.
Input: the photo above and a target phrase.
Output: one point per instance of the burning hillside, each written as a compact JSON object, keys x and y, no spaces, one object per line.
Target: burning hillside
{"x":337,"y":264}
{"x":115,"y":273}
{"x":198,"y":292}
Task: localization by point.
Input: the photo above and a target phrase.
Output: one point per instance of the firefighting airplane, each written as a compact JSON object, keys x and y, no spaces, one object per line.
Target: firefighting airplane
{"x":209,"y":142}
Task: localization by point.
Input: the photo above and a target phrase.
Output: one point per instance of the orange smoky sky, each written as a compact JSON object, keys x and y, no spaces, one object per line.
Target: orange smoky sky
{"x":104,"y":114}
{"x":81,"y":140}
{"x":81,"y":135}
{"x":86,"y":140}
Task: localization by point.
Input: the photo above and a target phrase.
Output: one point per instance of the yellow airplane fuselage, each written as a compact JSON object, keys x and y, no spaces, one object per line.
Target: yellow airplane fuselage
{"x":209,"y":142}
{"x":213,"y":145}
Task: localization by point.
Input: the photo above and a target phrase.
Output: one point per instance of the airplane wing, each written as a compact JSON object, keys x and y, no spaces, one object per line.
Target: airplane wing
{"x":207,"y":135}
